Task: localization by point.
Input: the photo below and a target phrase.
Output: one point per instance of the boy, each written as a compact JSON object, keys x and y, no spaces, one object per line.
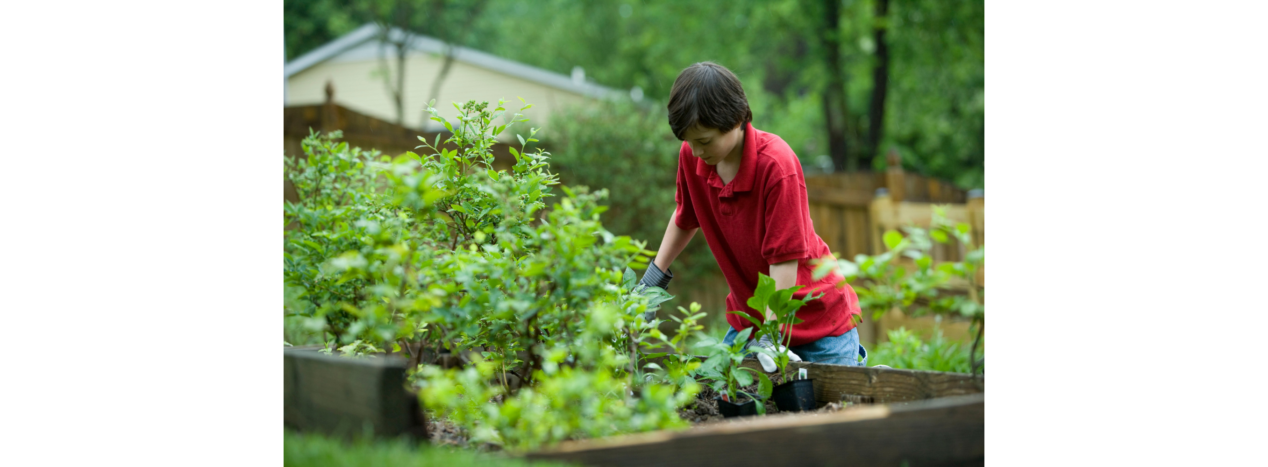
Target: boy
{"x":745,"y":190}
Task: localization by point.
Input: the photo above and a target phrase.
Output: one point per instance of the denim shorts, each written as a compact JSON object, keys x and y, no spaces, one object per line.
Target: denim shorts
{"x":844,"y":349}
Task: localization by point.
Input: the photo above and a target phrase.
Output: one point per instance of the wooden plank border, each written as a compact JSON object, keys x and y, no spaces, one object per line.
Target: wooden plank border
{"x":834,"y":383}
{"x":945,"y":431}
{"x":350,"y":397}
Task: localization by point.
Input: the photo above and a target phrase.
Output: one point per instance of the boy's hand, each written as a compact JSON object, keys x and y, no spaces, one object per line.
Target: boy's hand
{"x":654,"y":277}
{"x":767,"y":362}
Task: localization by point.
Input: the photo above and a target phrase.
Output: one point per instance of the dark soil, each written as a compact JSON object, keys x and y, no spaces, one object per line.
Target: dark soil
{"x":444,"y":432}
{"x":705,"y":410}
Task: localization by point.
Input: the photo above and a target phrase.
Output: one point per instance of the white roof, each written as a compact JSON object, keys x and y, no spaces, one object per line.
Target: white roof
{"x":365,"y":39}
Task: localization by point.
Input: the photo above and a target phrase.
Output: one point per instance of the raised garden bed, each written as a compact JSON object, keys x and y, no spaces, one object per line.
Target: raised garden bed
{"x":349,"y":397}
{"x":865,"y":416}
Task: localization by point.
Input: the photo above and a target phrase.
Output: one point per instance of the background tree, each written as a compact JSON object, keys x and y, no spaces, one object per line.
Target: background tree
{"x":399,"y":22}
{"x":906,"y":75}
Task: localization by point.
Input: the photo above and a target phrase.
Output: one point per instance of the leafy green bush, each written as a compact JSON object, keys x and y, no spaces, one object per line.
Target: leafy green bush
{"x":906,"y":350}
{"x":905,"y":277}
{"x":443,"y":250}
{"x":335,"y":188}
{"x":313,"y":450}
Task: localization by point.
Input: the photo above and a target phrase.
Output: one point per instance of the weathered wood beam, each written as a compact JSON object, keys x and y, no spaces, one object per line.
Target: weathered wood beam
{"x":349,"y":397}
{"x":838,"y":196}
{"x":946,"y":431}
{"x":834,"y":383}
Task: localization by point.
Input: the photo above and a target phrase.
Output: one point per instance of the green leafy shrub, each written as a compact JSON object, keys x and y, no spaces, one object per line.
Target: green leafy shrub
{"x":443,"y":250}
{"x":905,"y":277}
{"x":907,"y":350}
{"x":336,"y":193}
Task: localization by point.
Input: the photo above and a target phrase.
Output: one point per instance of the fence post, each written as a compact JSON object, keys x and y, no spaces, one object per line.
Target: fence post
{"x":881,"y":211}
{"x":894,"y":177}
{"x":976,"y":207}
{"x":329,"y":121}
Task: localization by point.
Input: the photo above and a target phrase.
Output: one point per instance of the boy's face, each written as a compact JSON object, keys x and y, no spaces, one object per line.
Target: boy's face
{"x":713,"y":146}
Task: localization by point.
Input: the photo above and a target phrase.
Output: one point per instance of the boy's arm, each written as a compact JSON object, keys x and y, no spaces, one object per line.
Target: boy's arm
{"x":657,"y":273}
{"x":672,"y":245}
{"x":785,"y":275}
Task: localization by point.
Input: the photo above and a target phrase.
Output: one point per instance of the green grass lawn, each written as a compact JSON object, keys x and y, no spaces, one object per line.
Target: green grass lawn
{"x":312,"y":450}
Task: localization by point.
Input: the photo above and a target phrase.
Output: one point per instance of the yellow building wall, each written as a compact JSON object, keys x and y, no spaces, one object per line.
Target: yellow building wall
{"x":359,"y":86}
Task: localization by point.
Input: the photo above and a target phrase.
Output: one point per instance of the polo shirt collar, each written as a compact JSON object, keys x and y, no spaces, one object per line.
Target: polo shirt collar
{"x":748,"y":167}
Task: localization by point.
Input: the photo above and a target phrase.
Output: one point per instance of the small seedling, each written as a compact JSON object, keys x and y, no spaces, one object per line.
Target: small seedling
{"x":785,"y":309}
{"x":724,"y":369}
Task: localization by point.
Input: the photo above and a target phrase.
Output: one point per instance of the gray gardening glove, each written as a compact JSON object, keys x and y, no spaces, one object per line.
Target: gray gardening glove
{"x":654,"y":277}
{"x":768,"y":363}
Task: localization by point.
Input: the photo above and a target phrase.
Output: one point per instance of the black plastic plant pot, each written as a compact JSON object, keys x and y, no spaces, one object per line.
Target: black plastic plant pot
{"x":729,"y":410}
{"x":795,"y":396}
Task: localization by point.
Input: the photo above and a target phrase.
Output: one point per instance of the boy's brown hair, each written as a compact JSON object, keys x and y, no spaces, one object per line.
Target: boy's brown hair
{"x":709,"y":95}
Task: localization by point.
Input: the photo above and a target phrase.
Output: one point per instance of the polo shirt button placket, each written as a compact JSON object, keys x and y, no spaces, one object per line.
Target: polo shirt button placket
{"x":725,"y":201}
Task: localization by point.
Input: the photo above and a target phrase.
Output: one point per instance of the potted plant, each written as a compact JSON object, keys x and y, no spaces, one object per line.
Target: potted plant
{"x":727,"y":375}
{"x":790,"y":395}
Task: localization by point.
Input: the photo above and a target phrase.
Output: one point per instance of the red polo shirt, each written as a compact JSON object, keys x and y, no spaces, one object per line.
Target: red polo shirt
{"x":762,"y":218}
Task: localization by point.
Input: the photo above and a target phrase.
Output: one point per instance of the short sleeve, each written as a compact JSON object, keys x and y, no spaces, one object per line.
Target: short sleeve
{"x":786,"y":222}
{"x":685,"y":214}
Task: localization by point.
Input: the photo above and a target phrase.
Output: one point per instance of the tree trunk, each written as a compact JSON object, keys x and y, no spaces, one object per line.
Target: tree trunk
{"x":402,"y":48}
{"x":387,"y":72}
{"x":834,"y":98}
{"x":880,"y":85}
{"x":450,"y":50}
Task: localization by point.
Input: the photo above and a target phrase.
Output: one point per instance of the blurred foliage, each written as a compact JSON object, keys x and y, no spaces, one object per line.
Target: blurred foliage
{"x":315,"y":450}
{"x":935,"y":101}
{"x":937,"y":107}
{"x":906,"y":278}
{"x":311,"y":24}
{"x":908,"y":351}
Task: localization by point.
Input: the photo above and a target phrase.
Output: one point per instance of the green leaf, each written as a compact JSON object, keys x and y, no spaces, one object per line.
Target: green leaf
{"x":745,"y":316}
{"x":892,"y":238}
{"x":628,"y":279}
{"x":493,"y":174}
{"x":522,"y":143}
{"x":924,"y":262}
{"x":938,"y":236}
{"x":764,"y":386}
{"x":744,"y":378}
{"x":761,"y":297}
